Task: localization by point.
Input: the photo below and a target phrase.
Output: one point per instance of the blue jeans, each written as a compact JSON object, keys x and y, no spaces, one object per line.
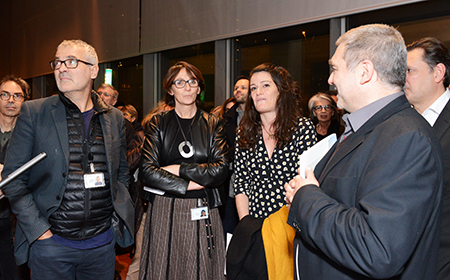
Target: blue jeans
{"x":51,"y":260}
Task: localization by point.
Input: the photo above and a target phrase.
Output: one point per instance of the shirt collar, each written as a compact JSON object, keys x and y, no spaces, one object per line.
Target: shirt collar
{"x":432,"y":113}
{"x":356,"y":120}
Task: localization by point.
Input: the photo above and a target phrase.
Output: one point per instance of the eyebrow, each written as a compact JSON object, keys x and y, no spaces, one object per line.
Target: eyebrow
{"x":68,"y":57}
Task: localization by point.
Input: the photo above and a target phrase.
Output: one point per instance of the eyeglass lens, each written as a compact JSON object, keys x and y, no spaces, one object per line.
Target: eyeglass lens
{"x":182,"y":83}
{"x":5,"y":96}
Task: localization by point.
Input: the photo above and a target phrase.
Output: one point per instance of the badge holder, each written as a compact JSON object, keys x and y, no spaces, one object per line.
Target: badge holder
{"x":94,"y":179}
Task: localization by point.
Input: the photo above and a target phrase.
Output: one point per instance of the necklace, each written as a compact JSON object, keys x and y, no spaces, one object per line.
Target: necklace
{"x":186,"y":143}
{"x":271,"y":136}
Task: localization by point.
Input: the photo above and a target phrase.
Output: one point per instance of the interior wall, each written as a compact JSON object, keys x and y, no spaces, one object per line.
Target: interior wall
{"x":37,"y":27}
{"x":176,"y":23}
{"x":122,"y":29}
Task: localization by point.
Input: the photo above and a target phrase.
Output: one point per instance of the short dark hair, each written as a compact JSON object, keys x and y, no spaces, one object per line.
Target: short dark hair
{"x":435,"y":52}
{"x":21,"y":82}
{"x":193,"y":73}
{"x":242,"y":77}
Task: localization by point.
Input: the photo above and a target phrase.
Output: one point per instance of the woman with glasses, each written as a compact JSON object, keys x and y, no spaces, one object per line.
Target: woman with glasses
{"x":324,"y":115}
{"x":183,"y":164}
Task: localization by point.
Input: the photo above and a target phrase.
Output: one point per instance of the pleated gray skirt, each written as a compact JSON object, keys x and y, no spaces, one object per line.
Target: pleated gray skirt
{"x":175,"y":247}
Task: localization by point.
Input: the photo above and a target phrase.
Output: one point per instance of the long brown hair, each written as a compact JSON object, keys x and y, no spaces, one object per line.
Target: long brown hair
{"x":288,"y":109}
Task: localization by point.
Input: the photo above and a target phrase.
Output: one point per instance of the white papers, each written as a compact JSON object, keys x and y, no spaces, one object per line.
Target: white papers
{"x":312,"y":156}
{"x":229,"y":236}
{"x":155,"y":191}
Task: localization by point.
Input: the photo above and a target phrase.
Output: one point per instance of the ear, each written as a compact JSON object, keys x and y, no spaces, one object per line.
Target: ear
{"x":439,"y":73}
{"x":94,"y":71}
{"x":367,"y":70}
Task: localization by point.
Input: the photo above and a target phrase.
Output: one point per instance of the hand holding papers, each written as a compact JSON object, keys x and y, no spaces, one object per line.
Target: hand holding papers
{"x":307,"y":162}
{"x":312,"y":156}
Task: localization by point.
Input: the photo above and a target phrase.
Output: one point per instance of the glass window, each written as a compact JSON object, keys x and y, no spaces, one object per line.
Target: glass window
{"x":303,"y":50}
{"x":414,"y":21}
{"x":202,"y":57}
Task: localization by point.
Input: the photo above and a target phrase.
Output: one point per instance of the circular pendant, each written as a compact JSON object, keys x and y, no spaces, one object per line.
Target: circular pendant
{"x":189,"y":146}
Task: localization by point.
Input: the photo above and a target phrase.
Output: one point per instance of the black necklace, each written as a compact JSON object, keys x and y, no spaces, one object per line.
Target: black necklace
{"x":186,"y":143}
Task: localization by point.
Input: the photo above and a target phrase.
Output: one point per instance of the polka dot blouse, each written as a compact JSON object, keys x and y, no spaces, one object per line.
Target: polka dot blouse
{"x":262,"y":179}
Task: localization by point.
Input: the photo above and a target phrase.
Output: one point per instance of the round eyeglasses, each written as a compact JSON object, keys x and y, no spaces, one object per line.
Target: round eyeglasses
{"x":182,"y":83}
{"x":6,"y":96}
{"x":70,"y":63}
{"x":320,"y":107}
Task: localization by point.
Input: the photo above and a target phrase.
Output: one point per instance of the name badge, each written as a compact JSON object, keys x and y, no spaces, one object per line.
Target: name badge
{"x":199,"y":213}
{"x":94,"y":180}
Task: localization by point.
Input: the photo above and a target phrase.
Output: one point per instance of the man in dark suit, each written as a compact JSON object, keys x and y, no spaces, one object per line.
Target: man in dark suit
{"x":426,"y":88}
{"x":373,"y":211}
{"x":68,"y":226}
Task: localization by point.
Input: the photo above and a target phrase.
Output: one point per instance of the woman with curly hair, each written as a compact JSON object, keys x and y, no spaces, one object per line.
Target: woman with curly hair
{"x":271,"y":137}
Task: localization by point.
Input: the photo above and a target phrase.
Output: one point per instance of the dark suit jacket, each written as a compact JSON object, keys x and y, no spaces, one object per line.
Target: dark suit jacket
{"x":376,"y":213}
{"x":442,"y":129}
{"x":36,"y":194}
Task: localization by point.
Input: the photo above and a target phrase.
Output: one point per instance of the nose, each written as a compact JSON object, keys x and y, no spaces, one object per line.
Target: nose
{"x":61,"y":69}
{"x":330,"y":79}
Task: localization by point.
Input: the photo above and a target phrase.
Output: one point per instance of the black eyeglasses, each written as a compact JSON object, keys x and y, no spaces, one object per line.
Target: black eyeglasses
{"x":70,"y":63}
{"x":320,"y":107}
{"x":182,"y":83}
{"x":5,"y":96}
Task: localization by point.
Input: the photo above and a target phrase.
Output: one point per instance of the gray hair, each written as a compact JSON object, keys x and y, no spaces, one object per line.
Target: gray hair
{"x":91,"y":54}
{"x":383,"y":45}
{"x":116,"y":93}
{"x":321,"y":96}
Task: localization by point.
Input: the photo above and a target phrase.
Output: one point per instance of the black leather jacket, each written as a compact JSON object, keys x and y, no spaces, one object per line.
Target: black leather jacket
{"x":210,"y":168}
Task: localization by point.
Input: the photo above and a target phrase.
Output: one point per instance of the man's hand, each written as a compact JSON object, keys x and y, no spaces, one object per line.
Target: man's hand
{"x":46,"y":235}
{"x":298,"y":182}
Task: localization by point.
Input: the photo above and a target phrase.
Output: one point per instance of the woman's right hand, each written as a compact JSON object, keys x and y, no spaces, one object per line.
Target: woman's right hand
{"x":193,"y":186}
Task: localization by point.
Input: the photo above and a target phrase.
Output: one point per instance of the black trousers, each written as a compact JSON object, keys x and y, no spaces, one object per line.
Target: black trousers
{"x":8,"y":267}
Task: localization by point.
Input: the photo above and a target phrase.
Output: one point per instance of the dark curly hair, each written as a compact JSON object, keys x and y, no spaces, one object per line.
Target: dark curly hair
{"x":288,"y":109}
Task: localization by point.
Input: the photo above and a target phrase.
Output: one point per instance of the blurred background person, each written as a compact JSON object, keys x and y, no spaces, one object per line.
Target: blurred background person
{"x":183,"y":163}
{"x":218,"y":111}
{"x":232,"y":118}
{"x":324,"y":115}
{"x":141,"y":203}
{"x":108,"y":93}
{"x":161,"y":107}
{"x":13,"y":92}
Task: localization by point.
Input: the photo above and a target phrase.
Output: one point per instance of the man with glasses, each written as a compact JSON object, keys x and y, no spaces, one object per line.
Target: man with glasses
{"x":108,"y":93}
{"x":67,"y":224}
{"x":13,"y":92}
